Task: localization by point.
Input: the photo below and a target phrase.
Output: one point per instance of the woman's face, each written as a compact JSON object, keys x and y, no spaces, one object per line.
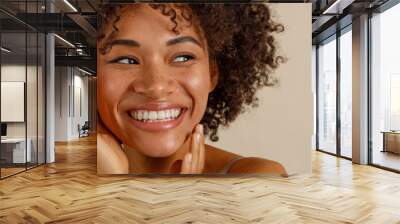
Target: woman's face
{"x":153,"y":84}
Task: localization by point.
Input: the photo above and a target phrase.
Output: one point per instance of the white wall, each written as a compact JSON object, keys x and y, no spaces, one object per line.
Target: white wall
{"x":80,"y":104}
{"x":61,"y":103}
{"x":281,"y":128}
{"x":33,"y":126}
{"x":16,"y":73}
{"x":71,"y":87}
{"x":12,"y":100}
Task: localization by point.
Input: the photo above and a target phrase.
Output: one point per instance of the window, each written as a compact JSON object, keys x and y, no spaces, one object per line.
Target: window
{"x":385,"y":88}
{"x":327,"y":96}
{"x":346,"y":93}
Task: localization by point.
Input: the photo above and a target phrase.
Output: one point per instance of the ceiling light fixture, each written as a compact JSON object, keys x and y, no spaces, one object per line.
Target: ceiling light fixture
{"x":331,"y":7}
{"x":70,"y":5}
{"x":84,"y":71}
{"x":65,"y":41}
{"x":337,"y":7}
{"x":5,"y":50}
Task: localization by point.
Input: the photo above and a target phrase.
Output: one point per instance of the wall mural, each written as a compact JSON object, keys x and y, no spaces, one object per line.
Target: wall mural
{"x":199,"y":88}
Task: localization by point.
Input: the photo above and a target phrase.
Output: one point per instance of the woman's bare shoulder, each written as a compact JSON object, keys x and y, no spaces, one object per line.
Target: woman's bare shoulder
{"x":216,"y":159}
{"x":219,"y":158}
{"x":212,"y":150}
{"x":257,"y":165}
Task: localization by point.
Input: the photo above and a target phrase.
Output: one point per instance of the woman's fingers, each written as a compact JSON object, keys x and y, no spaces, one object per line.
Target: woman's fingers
{"x":193,"y":162}
{"x":198,"y":150}
{"x":186,"y":164}
{"x":202,"y":153}
{"x":195,"y":150}
{"x":110,"y":157}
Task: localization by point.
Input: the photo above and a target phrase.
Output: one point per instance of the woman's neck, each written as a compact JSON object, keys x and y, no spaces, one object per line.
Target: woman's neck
{"x":142,"y":164}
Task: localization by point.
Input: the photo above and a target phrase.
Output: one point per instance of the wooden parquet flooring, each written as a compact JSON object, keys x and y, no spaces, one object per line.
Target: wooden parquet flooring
{"x":69,"y":191}
{"x":10,"y":171}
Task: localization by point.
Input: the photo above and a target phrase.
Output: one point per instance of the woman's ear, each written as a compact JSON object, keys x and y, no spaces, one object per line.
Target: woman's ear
{"x":214,"y":74}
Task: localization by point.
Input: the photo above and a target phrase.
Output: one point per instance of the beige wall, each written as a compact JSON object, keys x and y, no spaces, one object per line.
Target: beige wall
{"x":281,"y":128}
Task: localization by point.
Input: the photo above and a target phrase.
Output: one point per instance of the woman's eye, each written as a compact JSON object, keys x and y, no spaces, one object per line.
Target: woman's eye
{"x":125,"y":60}
{"x":183,"y":58}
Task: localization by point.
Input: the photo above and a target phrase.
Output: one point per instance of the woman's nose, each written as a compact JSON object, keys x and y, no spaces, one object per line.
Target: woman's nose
{"x":155,"y":84}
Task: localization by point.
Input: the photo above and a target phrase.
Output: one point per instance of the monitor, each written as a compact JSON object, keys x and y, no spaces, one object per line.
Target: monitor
{"x":3,"y":129}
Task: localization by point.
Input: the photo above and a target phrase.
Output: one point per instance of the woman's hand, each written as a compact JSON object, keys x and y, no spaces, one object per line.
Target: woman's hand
{"x":110,"y":157}
{"x":193,"y":162}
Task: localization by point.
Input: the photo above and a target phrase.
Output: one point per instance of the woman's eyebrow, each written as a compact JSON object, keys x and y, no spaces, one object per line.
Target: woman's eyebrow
{"x":124,"y":42}
{"x":183,"y":39}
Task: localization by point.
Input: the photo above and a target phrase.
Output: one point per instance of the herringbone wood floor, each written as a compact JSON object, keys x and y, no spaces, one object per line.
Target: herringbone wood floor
{"x":70,"y":192}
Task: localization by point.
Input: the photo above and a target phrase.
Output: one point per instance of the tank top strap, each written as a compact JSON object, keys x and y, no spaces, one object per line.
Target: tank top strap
{"x":230,"y":164}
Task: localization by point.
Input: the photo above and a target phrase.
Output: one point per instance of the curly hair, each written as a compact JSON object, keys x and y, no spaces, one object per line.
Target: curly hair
{"x":240,"y":40}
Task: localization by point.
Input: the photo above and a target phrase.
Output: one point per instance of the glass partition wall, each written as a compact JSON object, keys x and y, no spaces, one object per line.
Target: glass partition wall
{"x":22,"y":77}
{"x":385,"y":89}
{"x":334,"y":104}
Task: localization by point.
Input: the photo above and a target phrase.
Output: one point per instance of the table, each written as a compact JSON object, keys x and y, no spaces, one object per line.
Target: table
{"x":13,"y":150}
{"x":391,"y":141}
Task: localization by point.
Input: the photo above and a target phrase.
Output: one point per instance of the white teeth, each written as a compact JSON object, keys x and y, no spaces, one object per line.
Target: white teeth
{"x":152,"y":115}
{"x":139,"y":115}
{"x":161,"y":115}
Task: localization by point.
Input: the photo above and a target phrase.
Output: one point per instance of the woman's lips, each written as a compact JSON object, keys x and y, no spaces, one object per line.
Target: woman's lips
{"x":157,"y":120}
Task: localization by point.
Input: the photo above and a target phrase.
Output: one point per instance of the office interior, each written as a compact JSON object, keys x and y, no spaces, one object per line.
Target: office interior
{"x":48,"y":82}
{"x":45,"y":97}
{"x":376,"y":86}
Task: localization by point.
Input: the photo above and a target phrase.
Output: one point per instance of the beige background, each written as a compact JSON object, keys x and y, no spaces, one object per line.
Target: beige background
{"x":281,"y":128}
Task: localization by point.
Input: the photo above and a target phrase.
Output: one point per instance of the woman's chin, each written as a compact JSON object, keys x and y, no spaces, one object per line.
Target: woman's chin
{"x":158,"y":145}
{"x":159,"y":152}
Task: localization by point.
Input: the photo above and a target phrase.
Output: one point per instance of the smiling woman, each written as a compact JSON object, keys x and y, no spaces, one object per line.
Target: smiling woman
{"x":169,"y":74}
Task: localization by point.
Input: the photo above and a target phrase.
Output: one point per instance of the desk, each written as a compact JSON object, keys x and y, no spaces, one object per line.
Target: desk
{"x":13,"y":150}
{"x":391,"y":141}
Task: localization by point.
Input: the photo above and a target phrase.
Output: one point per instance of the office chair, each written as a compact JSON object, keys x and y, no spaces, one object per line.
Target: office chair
{"x":84,"y":130}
